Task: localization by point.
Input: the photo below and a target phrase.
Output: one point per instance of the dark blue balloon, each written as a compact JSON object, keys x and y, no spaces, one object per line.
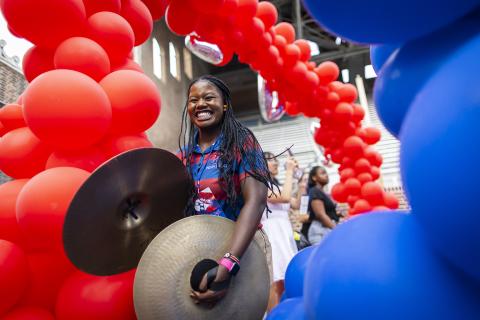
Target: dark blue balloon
{"x":440,"y":157}
{"x":405,"y":74}
{"x":295,"y":273}
{"x":290,"y":309}
{"x":379,"y":54}
{"x":386,"y":21}
{"x":380,"y":266}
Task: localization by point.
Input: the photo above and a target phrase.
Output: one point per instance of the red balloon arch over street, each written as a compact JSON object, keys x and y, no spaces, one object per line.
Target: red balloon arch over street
{"x":80,"y":110}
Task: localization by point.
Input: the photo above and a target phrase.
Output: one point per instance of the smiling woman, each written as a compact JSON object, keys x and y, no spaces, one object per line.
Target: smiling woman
{"x":229,"y":171}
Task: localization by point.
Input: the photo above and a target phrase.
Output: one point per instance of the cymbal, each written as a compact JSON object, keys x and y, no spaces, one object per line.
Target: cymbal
{"x":121,"y":207}
{"x":162,"y":280}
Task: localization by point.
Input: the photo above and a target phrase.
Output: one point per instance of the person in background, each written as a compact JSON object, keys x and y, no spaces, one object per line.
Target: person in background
{"x":321,"y":208}
{"x":299,"y":213}
{"x":278,"y":228}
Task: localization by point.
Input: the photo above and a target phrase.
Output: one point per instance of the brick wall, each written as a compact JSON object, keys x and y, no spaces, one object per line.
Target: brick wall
{"x":12,"y":85}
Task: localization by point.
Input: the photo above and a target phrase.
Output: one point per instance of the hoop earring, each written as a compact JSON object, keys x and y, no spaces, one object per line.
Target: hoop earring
{"x":224,"y":107}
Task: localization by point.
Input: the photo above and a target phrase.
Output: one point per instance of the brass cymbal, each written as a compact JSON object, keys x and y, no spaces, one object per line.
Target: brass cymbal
{"x":122,"y":206}
{"x":162,"y":281}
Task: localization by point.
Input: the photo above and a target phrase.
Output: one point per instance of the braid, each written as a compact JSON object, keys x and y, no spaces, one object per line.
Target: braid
{"x":238,"y":143}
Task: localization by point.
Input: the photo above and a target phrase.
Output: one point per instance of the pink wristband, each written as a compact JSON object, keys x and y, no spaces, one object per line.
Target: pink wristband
{"x":227,"y":263}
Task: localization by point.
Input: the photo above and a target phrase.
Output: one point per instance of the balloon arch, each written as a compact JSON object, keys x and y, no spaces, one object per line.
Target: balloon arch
{"x":80,"y":110}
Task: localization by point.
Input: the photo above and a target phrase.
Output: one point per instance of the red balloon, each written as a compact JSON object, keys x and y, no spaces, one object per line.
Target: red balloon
{"x":85,"y":296}
{"x":228,"y":7}
{"x":373,"y":193}
{"x":28,"y":313}
{"x":36,"y":61}
{"x":140,"y":19}
{"x":267,"y":12}
{"x":286,"y":30}
{"x":358,"y":113}
{"x":337,"y":156}
{"x":113,"y":33}
{"x":83,"y":55}
{"x":362,"y":165}
{"x":157,"y":7}
{"x":9,"y":229}
{"x":43,"y":203}
{"x":346,"y":174}
{"x":343,"y":112}
{"x":11,"y":116}
{"x":67,"y":109}
{"x":134,"y":108}
{"x":180,"y":19}
{"x":94,"y":6}
{"x":365,"y":177}
{"x":114,"y":145}
{"x":128,"y":64}
{"x":347,"y":93}
{"x":3,"y":130}
{"x":332,"y":100}
{"x":207,"y":6}
{"x":291,"y":55}
{"x":353,"y":146}
{"x":352,"y":186}
{"x":351,"y":200}
{"x":372,"y":135}
{"x":48,"y":271}
{"x":22,"y":155}
{"x":13,"y":274}
{"x":391,"y":200}
{"x":339,"y":193}
{"x":246,"y":10}
{"x":362,"y":206}
{"x":327,"y":72}
{"x":375,"y":171}
{"x":305,"y":51}
{"x":45,"y":23}
{"x":373,"y":156}
{"x":88,"y":160}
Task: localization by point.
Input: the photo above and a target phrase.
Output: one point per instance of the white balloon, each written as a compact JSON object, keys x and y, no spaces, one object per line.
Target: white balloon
{"x":206,"y":51}
{"x":270,"y":107}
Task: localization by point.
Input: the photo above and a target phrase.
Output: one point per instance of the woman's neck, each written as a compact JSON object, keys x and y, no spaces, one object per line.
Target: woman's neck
{"x":207,"y":137}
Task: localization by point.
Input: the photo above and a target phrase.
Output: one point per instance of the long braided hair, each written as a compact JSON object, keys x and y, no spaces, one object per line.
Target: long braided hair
{"x":238,"y":142}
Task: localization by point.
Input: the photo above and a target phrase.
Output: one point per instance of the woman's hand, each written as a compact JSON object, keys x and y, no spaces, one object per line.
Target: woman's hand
{"x":291,"y":164}
{"x":209,"y":297}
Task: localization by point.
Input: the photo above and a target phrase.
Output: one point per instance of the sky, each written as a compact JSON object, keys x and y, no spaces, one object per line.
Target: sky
{"x":15,"y":46}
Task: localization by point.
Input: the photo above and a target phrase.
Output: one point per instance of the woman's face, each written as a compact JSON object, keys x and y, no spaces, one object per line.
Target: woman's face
{"x":205,"y":105}
{"x":273,"y":166}
{"x":321,"y":177}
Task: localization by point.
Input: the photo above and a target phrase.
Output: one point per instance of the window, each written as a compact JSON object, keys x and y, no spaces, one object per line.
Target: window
{"x":137,"y":55}
{"x":187,"y":63}
{"x":157,"y":60}
{"x":174,"y":61}
{"x":345,"y":75}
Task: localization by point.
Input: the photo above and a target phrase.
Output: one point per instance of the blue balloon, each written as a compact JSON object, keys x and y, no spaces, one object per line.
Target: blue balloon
{"x":440,"y":158}
{"x":295,"y":273}
{"x":380,"y":266}
{"x":404,"y":75}
{"x":379,"y":54}
{"x":290,"y":309}
{"x":382,"y":21}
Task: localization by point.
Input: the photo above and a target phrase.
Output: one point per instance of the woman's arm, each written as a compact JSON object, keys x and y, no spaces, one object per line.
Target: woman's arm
{"x":319,"y":210}
{"x":286,"y":194}
{"x":255,"y":196}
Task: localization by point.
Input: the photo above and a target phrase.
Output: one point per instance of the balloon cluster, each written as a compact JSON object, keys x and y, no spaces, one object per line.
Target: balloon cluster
{"x":425,"y":264}
{"x":79,"y":110}
{"x":249,"y":29}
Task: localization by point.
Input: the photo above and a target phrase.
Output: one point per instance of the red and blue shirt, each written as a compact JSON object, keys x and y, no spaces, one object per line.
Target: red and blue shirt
{"x":211,"y":198}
